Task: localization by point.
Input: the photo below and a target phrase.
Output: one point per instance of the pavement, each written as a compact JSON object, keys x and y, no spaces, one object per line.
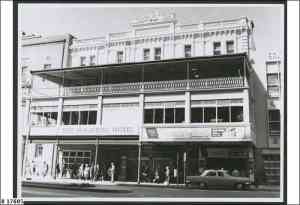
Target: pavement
{"x":107,"y":186}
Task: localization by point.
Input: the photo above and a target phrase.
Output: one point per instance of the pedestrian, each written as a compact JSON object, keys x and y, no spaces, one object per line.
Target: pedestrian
{"x":80,"y":172}
{"x":111,"y":172}
{"x":167,"y":175}
{"x":175,"y":175}
{"x":92,"y":172}
{"x":45,"y":169}
{"x":86,"y":172}
{"x":156,"y":176}
{"x":57,"y":170}
{"x":96,"y":172}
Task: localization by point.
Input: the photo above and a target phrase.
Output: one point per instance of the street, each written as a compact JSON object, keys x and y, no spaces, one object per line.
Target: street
{"x":138,"y":191}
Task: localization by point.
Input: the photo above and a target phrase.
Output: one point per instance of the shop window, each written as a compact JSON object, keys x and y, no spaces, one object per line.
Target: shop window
{"x":169,"y":115}
{"x":146,"y":54}
{"x":197,"y":114}
{"x":148,"y":116}
{"x":217,"y":48}
{"x":83,"y":117}
{"x":66,"y":118}
{"x":158,"y":115}
{"x":119,"y":56}
{"x":230,"y":47}
{"x":209,"y":114}
{"x":92,"y":117}
{"x":223,"y":114}
{"x":237,"y":114}
{"x":157,"y":54}
{"x":82,"y":61}
{"x":179,"y":115}
{"x":187,"y":51}
{"x":93,"y":60}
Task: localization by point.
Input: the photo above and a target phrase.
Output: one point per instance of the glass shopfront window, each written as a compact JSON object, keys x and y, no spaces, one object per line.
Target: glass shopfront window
{"x":209,"y":114}
{"x":237,"y":114}
{"x":158,"y":115}
{"x":223,"y":114}
{"x":197,"y":114}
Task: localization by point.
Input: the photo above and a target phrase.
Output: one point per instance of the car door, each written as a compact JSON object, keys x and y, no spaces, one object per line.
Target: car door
{"x":211,"y":178}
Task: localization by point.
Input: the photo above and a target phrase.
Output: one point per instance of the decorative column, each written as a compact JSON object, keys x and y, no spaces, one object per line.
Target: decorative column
{"x":99,"y":110}
{"x":59,"y":112}
{"x":187,"y":107}
{"x":246,"y":111}
{"x":139,"y":163}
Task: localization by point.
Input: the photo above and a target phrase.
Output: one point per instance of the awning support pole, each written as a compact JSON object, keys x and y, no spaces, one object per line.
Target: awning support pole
{"x":139,"y":163}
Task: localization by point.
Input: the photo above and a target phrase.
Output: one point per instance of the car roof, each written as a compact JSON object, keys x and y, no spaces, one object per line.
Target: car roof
{"x":216,"y":170}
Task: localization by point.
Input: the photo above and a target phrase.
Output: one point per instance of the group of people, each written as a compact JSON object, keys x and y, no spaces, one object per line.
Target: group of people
{"x":165,"y":175}
{"x":86,"y":172}
{"x":36,"y":169}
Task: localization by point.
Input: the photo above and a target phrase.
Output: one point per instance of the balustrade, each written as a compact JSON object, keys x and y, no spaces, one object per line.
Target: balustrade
{"x":172,"y":85}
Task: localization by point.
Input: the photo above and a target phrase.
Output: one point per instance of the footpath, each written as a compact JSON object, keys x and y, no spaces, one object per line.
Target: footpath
{"x":107,"y":186}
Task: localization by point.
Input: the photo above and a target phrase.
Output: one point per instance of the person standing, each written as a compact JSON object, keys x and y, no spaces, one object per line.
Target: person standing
{"x":80,"y":172}
{"x":92,"y":172}
{"x":167,"y":174}
{"x":175,"y":174}
{"x":86,"y":172}
{"x":112,"y":172}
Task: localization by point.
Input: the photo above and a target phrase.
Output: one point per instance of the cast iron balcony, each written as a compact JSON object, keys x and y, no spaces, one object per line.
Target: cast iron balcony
{"x":156,"y":86}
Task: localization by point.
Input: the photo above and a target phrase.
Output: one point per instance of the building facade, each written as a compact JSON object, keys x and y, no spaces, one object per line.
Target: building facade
{"x":274,"y":72}
{"x":162,"y":94}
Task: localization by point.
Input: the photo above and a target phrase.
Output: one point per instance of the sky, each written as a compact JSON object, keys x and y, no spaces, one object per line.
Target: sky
{"x":90,"y":20}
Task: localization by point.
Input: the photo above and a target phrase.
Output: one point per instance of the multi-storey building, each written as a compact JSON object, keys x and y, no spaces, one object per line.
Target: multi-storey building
{"x":159,"y":95}
{"x":38,"y":53}
{"x":275,"y":92}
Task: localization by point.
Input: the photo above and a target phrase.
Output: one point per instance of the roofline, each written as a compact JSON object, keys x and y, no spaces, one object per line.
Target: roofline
{"x":45,"y":39}
{"x":141,"y":63}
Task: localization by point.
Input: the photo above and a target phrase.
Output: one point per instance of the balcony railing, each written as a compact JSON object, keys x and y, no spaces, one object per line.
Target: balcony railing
{"x":158,"y":86}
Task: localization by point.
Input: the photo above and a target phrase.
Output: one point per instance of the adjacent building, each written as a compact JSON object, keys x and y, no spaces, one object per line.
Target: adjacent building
{"x":161,"y":94}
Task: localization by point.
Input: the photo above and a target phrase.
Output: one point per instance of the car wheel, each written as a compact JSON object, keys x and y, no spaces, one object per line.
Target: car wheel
{"x":239,"y":186}
{"x":202,"y":185}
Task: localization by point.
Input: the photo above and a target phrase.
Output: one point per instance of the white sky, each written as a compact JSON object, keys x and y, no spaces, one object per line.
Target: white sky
{"x":90,"y":20}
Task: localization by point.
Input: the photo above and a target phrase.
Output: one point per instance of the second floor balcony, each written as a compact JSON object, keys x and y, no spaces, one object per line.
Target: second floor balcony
{"x":198,"y":73}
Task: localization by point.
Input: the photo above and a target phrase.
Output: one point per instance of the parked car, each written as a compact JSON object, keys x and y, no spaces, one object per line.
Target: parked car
{"x":218,"y":178}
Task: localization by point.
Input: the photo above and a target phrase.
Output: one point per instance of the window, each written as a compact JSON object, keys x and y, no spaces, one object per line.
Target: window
{"x":197,"y":114}
{"x":74,"y":117}
{"x":157,"y":54}
{"x":179,"y":115}
{"x":217,"y":48}
{"x":273,"y":91}
{"x":169,"y":115}
{"x":221,"y":174}
{"x":47,"y":66}
{"x":81,"y":118}
{"x":274,"y":125}
{"x":237,"y":114}
{"x":229,"y":47}
{"x":209,"y":114}
{"x":272,"y":78}
{"x":93,"y":60}
{"x":148,"y":116}
{"x":44,"y":118}
{"x":158,"y":115}
{"x":146,"y":54}
{"x":66,"y":118}
{"x":187,"y":51}
{"x":223,"y":114}
{"x":119,"y":56}
{"x":82,"y":61}
{"x":211,"y":174}
{"x":38,"y":150}
{"x":92,"y":117}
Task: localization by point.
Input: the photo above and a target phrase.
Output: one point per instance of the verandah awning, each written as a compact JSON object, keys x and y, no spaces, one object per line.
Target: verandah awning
{"x":172,"y":69}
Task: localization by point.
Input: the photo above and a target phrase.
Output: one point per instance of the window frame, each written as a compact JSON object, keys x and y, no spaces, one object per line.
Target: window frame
{"x":217,"y":49}
{"x":144,"y":52}
{"x":187,"y":50}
